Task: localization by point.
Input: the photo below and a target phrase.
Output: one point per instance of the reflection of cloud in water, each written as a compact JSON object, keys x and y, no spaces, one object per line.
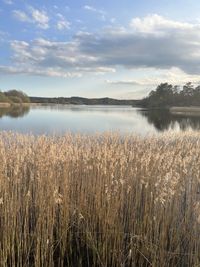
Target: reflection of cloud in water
{"x":125,"y":112}
{"x":83,"y":119}
{"x":59,"y":119}
{"x":85,"y":108}
{"x":90,"y":119}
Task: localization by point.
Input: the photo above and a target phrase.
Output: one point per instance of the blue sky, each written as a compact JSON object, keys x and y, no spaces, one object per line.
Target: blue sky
{"x":120,"y":49}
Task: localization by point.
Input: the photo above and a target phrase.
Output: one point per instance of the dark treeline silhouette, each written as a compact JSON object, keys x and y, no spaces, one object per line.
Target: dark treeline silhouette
{"x":164,"y":96}
{"x":167,"y":95}
{"x":83,"y":101}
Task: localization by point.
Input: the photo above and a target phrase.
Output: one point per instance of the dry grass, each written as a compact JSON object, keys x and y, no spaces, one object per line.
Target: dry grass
{"x":100,"y":200}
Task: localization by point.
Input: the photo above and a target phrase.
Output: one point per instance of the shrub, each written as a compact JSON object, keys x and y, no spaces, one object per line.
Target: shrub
{"x":19,"y":94}
{"x":15,"y":99}
{"x":3,"y":98}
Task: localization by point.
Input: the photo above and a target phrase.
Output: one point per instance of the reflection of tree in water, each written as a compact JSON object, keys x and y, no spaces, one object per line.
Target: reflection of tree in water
{"x":165,"y":120}
{"x":14,"y":111}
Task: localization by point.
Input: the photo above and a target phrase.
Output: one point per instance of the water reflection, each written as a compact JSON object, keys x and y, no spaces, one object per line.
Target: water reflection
{"x":164,"y":120}
{"x":84,"y":108}
{"x":14,"y":111}
{"x":59,"y":119}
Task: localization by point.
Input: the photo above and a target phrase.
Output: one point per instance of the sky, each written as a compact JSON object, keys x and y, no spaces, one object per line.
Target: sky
{"x":108,"y":48}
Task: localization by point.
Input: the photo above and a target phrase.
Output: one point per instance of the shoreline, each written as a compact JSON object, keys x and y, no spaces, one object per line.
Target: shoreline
{"x":192,"y":111}
{"x":8,"y":105}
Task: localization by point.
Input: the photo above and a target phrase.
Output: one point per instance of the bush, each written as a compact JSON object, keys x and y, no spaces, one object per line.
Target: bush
{"x":19,"y":94}
{"x":3,"y":98}
{"x":15,"y":99}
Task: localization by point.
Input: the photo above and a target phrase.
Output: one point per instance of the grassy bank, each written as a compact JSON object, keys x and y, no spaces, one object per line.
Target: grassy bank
{"x":100,"y":200}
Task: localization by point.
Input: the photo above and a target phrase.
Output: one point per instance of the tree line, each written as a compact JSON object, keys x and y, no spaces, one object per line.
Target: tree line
{"x":83,"y":101}
{"x":167,"y":95}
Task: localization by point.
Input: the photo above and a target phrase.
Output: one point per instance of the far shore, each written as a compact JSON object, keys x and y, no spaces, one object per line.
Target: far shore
{"x":184,"y":110}
{"x":192,"y":110}
{"x":7,"y":105}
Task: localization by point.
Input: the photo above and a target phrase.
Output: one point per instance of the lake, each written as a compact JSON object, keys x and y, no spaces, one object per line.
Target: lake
{"x":59,"y":119}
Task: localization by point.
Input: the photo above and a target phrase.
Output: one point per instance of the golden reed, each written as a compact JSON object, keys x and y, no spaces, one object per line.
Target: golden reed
{"x":100,"y":200}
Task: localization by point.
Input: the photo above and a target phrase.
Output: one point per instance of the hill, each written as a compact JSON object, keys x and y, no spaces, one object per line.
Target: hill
{"x":83,"y":101}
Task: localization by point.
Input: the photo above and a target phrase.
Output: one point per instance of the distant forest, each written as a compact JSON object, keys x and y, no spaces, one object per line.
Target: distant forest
{"x":167,"y":95}
{"x":14,"y":97}
{"x":83,"y":101}
{"x":164,"y":96}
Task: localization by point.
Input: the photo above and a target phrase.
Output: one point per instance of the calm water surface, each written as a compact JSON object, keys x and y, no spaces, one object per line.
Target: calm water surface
{"x":59,"y":119}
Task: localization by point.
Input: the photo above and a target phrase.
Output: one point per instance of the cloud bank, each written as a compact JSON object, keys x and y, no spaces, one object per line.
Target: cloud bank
{"x":150,"y":42}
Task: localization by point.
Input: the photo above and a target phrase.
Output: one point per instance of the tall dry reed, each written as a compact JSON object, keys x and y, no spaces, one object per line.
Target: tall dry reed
{"x":100,"y":200}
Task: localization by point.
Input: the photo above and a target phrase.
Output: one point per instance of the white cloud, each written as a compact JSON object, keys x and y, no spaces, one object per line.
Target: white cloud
{"x":153,"y":42}
{"x":67,"y":8}
{"x":8,"y":2}
{"x":3,"y":36}
{"x":90,"y":8}
{"x":158,"y":24}
{"x":49,"y":58}
{"x":79,"y":21}
{"x":35,"y":16}
{"x":63,"y":25}
{"x":138,"y":47}
{"x":40,"y":18}
{"x":50,"y":72}
{"x":96,"y":70}
{"x":124,"y":82}
{"x":21,"y":16}
{"x":174,"y":76}
{"x":113,"y":20}
{"x":95,"y":10}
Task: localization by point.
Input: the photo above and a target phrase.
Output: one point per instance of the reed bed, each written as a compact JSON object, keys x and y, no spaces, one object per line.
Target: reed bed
{"x":101,"y":200}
